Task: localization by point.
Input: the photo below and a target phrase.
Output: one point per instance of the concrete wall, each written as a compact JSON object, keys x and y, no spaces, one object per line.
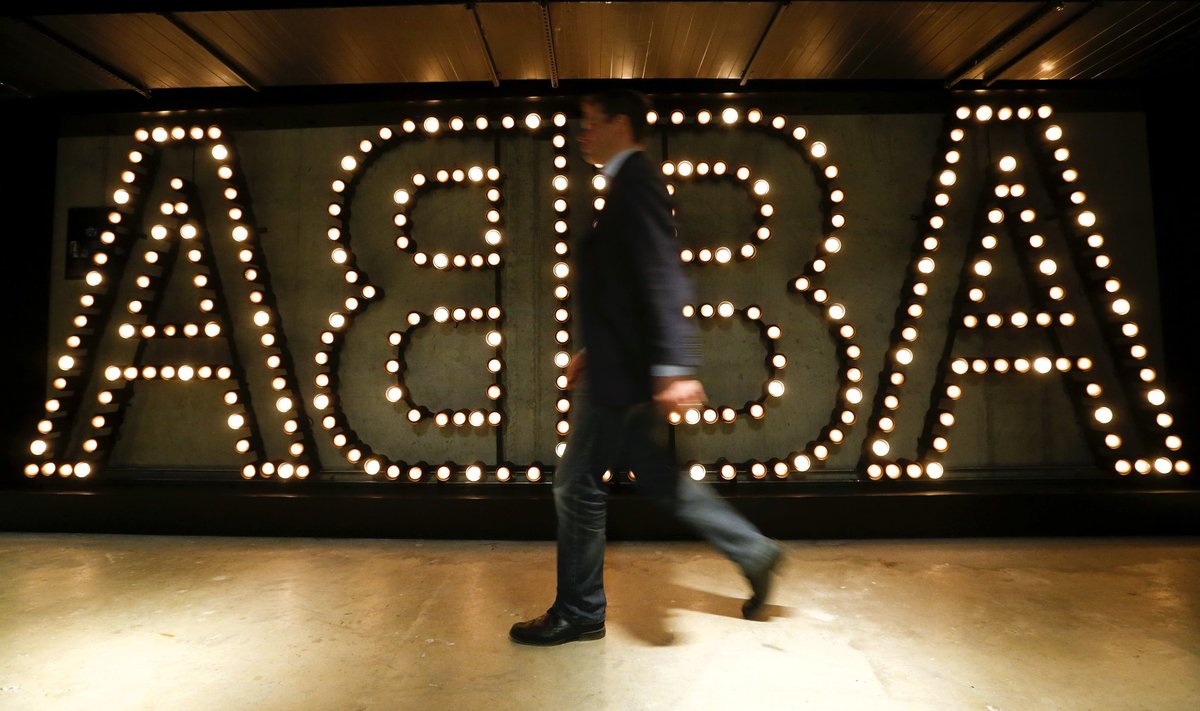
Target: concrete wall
{"x":886,"y":164}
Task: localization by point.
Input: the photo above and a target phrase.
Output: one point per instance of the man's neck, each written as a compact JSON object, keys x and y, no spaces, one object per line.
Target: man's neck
{"x":621,"y":149}
{"x":613,"y":164}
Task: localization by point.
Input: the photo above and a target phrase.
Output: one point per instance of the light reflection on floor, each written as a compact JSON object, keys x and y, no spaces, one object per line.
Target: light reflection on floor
{"x":125,"y":622}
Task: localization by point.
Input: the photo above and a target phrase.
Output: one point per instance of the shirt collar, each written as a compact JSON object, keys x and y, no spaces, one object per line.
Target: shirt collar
{"x":613,"y":166}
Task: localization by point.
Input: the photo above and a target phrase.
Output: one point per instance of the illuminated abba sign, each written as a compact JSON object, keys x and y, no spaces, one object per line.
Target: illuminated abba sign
{"x":177,"y":229}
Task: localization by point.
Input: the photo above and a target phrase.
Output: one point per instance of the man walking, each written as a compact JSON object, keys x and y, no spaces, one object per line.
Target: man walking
{"x":639,"y":363}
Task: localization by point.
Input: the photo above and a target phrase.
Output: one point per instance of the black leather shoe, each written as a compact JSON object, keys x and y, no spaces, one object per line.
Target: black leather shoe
{"x":760,"y":585}
{"x":550,"y":629}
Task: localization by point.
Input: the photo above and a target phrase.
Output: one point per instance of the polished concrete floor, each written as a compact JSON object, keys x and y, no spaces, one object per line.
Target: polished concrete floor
{"x":119,"y":622}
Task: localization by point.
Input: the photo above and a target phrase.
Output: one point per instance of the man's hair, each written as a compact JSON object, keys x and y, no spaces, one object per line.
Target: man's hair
{"x":624,"y":102}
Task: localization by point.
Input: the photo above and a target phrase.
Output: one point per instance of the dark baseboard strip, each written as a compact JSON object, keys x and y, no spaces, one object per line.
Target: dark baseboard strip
{"x":527,"y":513}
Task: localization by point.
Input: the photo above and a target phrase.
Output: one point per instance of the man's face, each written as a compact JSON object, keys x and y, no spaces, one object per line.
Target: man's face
{"x":602,"y":136}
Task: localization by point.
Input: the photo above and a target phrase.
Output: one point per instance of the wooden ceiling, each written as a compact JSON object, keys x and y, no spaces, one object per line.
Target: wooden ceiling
{"x":145,"y":47}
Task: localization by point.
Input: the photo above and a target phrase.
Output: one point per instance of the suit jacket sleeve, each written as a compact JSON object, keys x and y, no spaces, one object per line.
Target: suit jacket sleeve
{"x":654,"y":248}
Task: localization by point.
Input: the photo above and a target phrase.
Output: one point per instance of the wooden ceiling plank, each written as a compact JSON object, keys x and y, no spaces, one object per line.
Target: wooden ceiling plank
{"x":1017,"y":32}
{"x":1122,"y":32}
{"x":762,"y":38}
{"x":1178,"y":28}
{"x":954,"y":41}
{"x":894,"y":37}
{"x":878,"y":31}
{"x":85,"y":55}
{"x":487,"y":50}
{"x":211,"y":50}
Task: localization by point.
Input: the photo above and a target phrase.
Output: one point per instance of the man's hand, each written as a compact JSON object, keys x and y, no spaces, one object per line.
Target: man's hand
{"x":675,"y":394}
{"x":576,"y":368}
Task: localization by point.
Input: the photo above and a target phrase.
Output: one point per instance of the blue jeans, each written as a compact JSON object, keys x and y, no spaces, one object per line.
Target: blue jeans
{"x":613,"y":438}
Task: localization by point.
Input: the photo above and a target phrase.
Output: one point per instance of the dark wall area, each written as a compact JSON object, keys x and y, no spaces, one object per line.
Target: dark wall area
{"x":30,"y":143}
{"x":1175,"y":180}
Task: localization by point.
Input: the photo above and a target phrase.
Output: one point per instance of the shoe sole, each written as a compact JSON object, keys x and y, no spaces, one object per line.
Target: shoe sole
{"x":585,"y":637}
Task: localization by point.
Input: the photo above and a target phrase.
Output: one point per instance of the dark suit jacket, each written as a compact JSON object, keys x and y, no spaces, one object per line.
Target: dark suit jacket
{"x":632,"y":289}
